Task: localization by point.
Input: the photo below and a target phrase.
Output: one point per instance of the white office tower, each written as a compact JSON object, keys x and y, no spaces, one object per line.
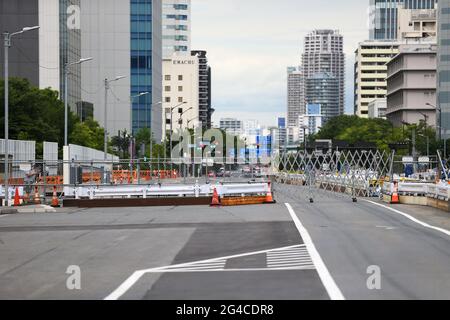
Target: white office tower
{"x":295,"y":96}
{"x":176,"y":27}
{"x":323,"y":53}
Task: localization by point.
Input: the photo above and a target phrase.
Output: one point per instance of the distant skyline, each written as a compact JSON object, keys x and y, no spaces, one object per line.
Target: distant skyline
{"x":251,"y":43}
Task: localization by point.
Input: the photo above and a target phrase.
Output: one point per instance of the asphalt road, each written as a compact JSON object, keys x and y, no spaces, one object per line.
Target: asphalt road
{"x":295,"y":251}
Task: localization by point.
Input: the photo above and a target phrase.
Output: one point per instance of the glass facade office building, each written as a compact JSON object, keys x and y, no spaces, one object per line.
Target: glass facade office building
{"x":383,"y":16}
{"x":323,"y":89}
{"x":145,"y":49}
{"x":444,"y":68}
{"x":70,"y":51}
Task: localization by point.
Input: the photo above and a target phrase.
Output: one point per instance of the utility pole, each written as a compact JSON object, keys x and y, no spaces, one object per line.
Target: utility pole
{"x":107,"y":87}
{"x":414,"y":153}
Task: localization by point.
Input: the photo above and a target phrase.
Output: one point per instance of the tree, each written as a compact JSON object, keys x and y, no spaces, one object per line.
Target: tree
{"x":38,"y":114}
{"x":121,"y":143}
{"x":353,"y":129}
{"x":88,"y":134}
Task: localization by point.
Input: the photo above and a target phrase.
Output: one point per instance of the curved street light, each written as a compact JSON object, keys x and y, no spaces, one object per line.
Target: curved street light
{"x":66,"y":99}
{"x":7,"y":44}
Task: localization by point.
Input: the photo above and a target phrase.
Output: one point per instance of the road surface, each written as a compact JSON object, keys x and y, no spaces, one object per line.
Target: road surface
{"x":290,"y":250}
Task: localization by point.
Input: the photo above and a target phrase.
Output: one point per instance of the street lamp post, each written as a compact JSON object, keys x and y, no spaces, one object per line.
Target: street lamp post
{"x":107,"y":83}
{"x":439,"y":109}
{"x":180,"y":122}
{"x":151,"y":132}
{"x":66,"y":99}
{"x":171,"y":124}
{"x":7,"y":44}
{"x":304,"y":127}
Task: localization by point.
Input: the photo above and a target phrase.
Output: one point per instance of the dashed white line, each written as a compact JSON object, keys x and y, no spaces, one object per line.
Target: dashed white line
{"x":4,"y":215}
{"x":330,"y":285}
{"x":426,"y":225}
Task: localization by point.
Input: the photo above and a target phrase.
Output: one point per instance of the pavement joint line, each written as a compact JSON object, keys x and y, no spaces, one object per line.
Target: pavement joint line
{"x":423,"y":224}
{"x":330,"y":285}
{"x":137,"y":275}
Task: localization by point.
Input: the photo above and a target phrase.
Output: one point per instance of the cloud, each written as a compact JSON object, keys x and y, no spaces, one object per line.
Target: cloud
{"x":251,"y":42}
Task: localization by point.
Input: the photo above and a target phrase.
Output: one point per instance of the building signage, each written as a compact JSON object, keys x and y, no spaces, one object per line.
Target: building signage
{"x":183,"y":62}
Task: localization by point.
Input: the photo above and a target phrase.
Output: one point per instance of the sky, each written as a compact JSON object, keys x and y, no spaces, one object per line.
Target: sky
{"x":250,"y":44}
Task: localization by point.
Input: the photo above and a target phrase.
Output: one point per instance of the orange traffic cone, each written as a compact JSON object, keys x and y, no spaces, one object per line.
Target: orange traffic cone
{"x":395,"y":198}
{"x":269,"y":198}
{"x":215,"y":199}
{"x":16,"y":198}
{"x":37,"y":198}
{"x":55,"y":202}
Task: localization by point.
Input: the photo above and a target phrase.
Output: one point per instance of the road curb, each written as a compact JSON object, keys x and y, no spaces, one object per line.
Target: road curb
{"x":8,"y":211}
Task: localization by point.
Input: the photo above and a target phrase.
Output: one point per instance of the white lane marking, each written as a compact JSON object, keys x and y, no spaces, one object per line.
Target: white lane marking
{"x":4,"y":215}
{"x":124,"y":287}
{"x":302,"y":257}
{"x":307,"y":267}
{"x":279,"y":265}
{"x":426,"y":225}
{"x":288,"y":255}
{"x":300,"y":246}
{"x":330,"y":285}
{"x":131,"y":281}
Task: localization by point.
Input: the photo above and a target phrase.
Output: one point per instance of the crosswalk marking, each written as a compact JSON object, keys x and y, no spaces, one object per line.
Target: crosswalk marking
{"x":289,"y":258}
{"x":297,"y":257}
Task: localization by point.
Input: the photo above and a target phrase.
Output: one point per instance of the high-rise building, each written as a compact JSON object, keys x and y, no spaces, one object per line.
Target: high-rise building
{"x":40,"y":55}
{"x":280,"y":139}
{"x":378,"y":109}
{"x":125,"y":39}
{"x":324,"y":54}
{"x":443,"y":69}
{"x":204,"y":100}
{"x":383,"y":16}
{"x":295,"y":97}
{"x":176,"y":27}
{"x":416,"y":25}
{"x":311,"y":121}
{"x":323,"y":89}
{"x":232,"y":126}
{"x":411,"y":85}
{"x":371,"y":72}
{"x":181,"y":91}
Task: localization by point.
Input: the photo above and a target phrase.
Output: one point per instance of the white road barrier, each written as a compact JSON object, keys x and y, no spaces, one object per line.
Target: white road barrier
{"x":196,"y":190}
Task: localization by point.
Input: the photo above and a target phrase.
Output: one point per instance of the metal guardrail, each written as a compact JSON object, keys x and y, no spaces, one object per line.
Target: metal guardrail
{"x":437,"y":191}
{"x":196,"y":190}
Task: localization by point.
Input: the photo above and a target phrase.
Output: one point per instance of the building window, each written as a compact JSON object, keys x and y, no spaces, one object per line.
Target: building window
{"x":167,"y":88}
{"x":180,"y":78}
{"x":167,"y":99}
{"x":167,"y":77}
{"x":180,"y":99}
{"x":180,"y":88}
